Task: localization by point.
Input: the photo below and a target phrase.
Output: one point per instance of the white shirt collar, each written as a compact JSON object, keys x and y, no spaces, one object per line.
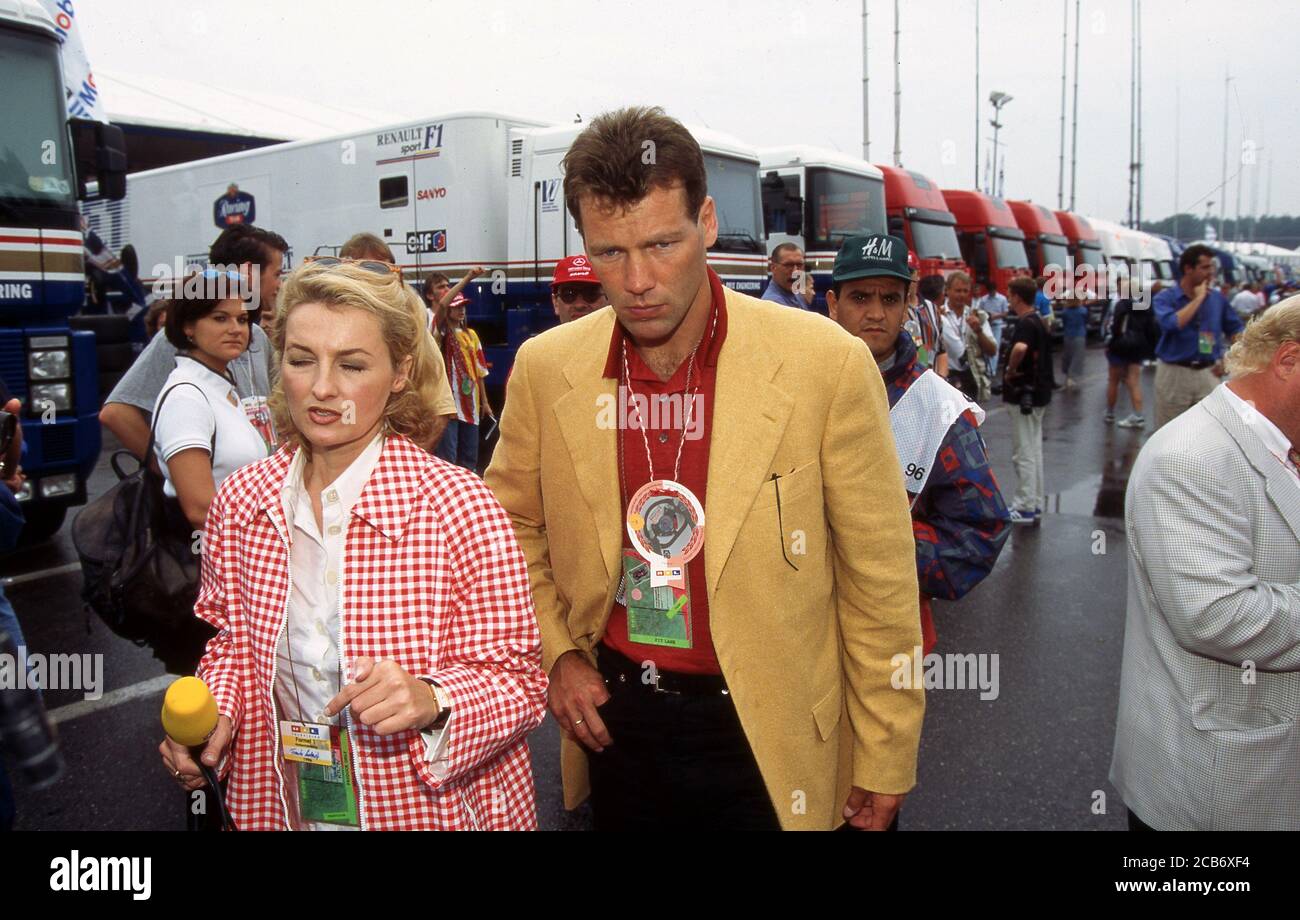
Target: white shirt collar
{"x":345,"y":490}
{"x":196,"y":371}
{"x":1272,"y":437}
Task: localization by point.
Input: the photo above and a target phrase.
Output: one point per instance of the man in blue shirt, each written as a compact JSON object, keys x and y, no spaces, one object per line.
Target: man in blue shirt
{"x":1042,"y":303}
{"x":787,"y":274}
{"x":1194,"y":321}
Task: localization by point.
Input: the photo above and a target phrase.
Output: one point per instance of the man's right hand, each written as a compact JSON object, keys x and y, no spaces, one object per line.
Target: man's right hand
{"x":1201,"y":291}
{"x":575,"y":691}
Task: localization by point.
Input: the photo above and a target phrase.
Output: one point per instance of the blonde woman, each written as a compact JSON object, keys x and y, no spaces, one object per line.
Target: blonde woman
{"x":377,"y":664}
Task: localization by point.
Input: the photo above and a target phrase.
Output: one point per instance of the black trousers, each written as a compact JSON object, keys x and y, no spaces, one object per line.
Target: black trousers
{"x":678,"y":762}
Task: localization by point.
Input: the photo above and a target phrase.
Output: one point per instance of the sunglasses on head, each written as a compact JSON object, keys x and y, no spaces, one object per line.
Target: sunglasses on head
{"x":590,"y":293}
{"x":370,"y":265}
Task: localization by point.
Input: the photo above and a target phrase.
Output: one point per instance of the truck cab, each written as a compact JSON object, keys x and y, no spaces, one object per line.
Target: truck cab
{"x":1089,"y":265}
{"x":1157,"y":259}
{"x":817,"y":198}
{"x":45,"y":161}
{"x":992,"y":243}
{"x":1045,"y":240}
{"x":1115,"y":252}
{"x":917,"y":212}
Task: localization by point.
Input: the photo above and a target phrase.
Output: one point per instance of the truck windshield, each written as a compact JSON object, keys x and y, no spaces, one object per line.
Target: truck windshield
{"x":35,"y":163}
{"x":843,"y":205}
{"x":1090,"y":255}
{"x":1010,"y":253}
{"x":733,"y":184}
{"x":1057,"y":254}
{"x":934,"y":241}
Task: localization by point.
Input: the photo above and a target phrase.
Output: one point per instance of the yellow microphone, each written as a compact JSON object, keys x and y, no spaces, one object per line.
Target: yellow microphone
{"x":189,"y":717}
{"x":189,"y":713}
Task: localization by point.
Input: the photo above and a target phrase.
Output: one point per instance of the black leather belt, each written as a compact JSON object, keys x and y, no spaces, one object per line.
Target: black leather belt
{"x":622,"y":673}
{"x":1194,"y":365}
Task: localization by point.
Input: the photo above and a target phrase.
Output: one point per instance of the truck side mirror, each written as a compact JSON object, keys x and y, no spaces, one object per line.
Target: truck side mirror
{"x":100,"y":153}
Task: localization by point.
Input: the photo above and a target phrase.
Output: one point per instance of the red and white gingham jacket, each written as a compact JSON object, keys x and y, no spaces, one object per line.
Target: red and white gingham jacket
{"x":433,"y":580}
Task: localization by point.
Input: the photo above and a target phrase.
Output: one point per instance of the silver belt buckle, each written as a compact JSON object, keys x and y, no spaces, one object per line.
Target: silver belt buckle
{"x":659,"y":689}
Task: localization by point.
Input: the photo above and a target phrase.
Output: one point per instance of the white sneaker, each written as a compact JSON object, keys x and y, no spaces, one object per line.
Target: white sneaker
{"x":1133,"y":421}
{"x":1109,"y":417}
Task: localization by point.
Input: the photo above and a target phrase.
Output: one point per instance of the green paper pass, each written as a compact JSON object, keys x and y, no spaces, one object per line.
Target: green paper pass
{"x":655,"y":616}
{"x":325,"y":791}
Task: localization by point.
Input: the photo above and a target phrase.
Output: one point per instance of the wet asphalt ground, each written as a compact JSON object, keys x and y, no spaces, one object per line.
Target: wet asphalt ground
{"x":1034,"y":757}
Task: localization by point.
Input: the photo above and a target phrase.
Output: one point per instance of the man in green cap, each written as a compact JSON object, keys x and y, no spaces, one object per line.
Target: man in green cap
{"x":959,"y":519}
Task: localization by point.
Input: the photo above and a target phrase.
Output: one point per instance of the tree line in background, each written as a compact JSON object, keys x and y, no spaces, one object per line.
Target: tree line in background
{"x":1280,"y":230}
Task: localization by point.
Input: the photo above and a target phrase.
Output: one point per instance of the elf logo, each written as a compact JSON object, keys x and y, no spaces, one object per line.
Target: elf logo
{"x":103,"y":873}
{"x":878,"y":248}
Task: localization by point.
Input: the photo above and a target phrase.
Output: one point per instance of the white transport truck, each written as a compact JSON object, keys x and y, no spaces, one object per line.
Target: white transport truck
{"x":447,"y":193}
{"x":816,"y":198}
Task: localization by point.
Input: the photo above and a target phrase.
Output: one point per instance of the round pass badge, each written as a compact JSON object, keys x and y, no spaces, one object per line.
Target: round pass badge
{"x":666,"y":521}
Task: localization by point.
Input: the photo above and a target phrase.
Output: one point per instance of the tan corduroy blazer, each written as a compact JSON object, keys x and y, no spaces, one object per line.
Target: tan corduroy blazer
{"x":808,"y":654}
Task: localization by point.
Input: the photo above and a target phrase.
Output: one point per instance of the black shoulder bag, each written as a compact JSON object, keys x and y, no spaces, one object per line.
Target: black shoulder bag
{"x":140,"y":567}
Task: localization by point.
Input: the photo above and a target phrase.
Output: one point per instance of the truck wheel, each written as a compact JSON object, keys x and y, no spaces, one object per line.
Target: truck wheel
{"x":109,"y":330}
{"x":42,"y":523}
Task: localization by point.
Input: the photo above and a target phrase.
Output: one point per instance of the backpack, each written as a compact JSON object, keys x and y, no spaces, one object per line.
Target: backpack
{"x":1131,"y":334}
{"x":140,"y":564}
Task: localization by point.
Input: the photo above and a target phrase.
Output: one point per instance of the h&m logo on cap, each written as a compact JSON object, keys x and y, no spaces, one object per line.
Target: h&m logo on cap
{"x":879,"y":247}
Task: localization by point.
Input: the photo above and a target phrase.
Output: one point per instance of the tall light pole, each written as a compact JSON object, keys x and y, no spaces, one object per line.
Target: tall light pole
{"x":1138,"y":195}
{"x":1065,"y":57}
{"x":977,"y":93}
{"x":1178,"y":143}
{"x":1223,"y":184}
{"x":1074,"y":130}
{"x":898,"y":96}
{"x":866,"y":79}
{"x":998,"y":99}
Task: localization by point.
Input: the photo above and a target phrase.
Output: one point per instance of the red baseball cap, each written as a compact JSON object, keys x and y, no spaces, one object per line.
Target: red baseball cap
{"x":912,"y":261}
{"x":574,"y":270}
{"x":459,"y":300}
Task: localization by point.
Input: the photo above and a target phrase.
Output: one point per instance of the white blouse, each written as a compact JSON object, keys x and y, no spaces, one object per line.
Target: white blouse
{"x":192,"y":415}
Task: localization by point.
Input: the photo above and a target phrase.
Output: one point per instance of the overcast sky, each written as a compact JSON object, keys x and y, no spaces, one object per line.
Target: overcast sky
{"x":776,"y":73}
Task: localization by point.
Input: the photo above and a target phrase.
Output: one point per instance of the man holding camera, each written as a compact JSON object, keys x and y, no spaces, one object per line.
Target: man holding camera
{"x":1027,"y":383}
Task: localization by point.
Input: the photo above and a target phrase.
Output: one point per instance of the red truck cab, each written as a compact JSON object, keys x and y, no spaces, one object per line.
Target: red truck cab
{"x":916,"y":211}
{"x":992,"y":243}
{"x":1045,"y":241}
{"x":1089,"y":263}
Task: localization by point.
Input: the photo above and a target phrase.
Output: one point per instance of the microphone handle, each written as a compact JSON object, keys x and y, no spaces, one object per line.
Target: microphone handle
{"x":215,"y":792}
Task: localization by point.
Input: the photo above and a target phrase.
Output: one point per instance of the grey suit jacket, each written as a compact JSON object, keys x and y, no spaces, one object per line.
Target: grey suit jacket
{"x":1206,"y":736}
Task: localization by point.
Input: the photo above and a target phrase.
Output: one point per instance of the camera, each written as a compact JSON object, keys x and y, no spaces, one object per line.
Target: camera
{"x":26,"y":733}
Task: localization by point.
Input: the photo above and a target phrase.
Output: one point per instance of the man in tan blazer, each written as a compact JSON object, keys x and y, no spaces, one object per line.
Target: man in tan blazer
{"x":742,"y":680}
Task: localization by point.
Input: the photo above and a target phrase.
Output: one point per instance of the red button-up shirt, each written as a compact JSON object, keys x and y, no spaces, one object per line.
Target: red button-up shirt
{"x":665,"y":435}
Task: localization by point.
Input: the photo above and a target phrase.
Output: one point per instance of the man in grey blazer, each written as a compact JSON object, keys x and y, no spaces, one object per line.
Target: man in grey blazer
{"x":1206,"y":736}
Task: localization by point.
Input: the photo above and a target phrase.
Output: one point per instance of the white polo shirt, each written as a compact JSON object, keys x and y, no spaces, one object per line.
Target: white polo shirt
{"x":192,"y":414}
